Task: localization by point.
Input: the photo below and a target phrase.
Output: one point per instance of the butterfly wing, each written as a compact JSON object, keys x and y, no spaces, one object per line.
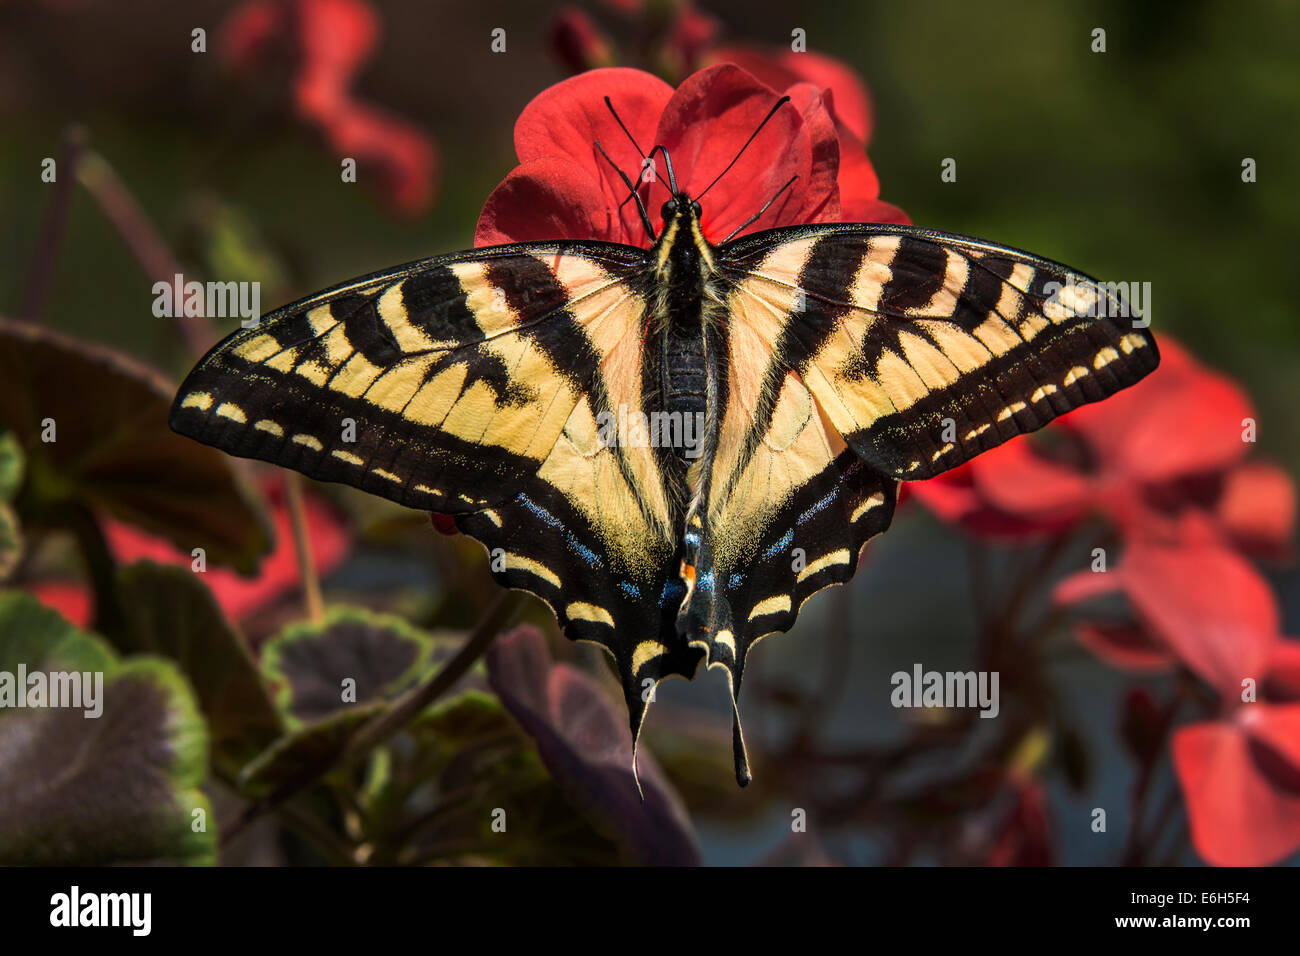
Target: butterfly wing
{"x":857,"y":356}
{"x":924,"y":348}
{"x":471,"y":385}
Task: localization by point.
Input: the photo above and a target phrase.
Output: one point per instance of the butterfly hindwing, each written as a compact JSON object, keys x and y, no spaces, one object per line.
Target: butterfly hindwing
{"x":925,"y":349}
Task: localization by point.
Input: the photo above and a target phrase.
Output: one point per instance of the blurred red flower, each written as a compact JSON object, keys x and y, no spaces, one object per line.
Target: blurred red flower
{"x":1198,"y":602}
{"x":563,"y":188}
{"x":329,"y":40}
{"x":238,"y":596}
{"x":1171,"y":445}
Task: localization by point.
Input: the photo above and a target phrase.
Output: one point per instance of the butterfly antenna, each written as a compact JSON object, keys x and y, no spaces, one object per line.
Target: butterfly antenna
{"x":779,"y":103}
{"x":632,"y":139}
{"x":668,"y":162}
{"x":754,"y":217}
{"x":632,"y":193}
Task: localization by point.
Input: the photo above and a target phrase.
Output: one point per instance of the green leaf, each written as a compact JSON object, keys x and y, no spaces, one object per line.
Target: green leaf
{"x":307,"y":664}
{"x":171,"y":613}
{"x":112,"y":449}
{"x":301,"y":751}
{"x":118,"y":788}
{"x":11,"y":466}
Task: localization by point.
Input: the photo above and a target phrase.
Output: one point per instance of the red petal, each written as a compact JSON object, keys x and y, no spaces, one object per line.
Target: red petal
{"x":710,"y":117}
{"x":1257,"y":508}
{"x":1014,"y":478}
{"x":250,"y":32}
{"x":71,"y":599}
{"x":336,"y":37}
{"x":1284,"y":671}
{"x":404,"y":159}
{"x":952,"y":497}
{"x":814,"y":109}
{"x":781,"y":69}
{"x":1180,"y":420}
{"x":1209,"y":605}
{"x":1238,"y":815}
{"x":278,"y":573}
{"x":550,"y":198}
{"x":567,"y":119}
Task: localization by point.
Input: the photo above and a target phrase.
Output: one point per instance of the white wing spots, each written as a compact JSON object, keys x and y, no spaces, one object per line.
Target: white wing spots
{"x":308,"y":441}
{"x":841,"y":556}
{"x":268,"y":426}
{"x":582,"y":611}
{"x":1079,"y":298}
{"x":347,"y":456}
{"x":1042,"y":392}
{"x":490,"y":514}
{"x":942,"y":451}
{"x":1010,"y":410}
{"x":231,"y":411}
{"x":727,"y":640}
{"x":426,"y":490}
{"x":1074,"y":375}
{"x":517,"y":562}
{"x":200,"y":400}
{"x":976,"y":432}
{"x":1105,"y":357}
{"x":1131,"y":343}
{"x":644,"y":653}
{"x":773,"y":605}
{"x":875,"y":501}
{"x":386,"y":475}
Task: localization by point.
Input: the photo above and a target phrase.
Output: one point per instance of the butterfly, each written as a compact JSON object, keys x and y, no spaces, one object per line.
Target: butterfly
{"x":673,"y":447}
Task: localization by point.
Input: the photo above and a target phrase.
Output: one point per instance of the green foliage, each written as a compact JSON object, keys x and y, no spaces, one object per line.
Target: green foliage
{"x":121,"y":787}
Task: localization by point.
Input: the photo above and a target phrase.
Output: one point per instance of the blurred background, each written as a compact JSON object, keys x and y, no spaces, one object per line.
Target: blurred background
{"x":1126,"y":164}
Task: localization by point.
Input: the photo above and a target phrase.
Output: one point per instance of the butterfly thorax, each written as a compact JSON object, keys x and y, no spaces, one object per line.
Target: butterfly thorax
{"x":686,"y":286}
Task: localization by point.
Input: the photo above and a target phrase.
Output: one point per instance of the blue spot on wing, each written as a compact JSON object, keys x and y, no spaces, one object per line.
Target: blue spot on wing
{"x":630,"y":589}
{"x":545,"y":516}
{"x":584,"y":552}
{"x":820,"y":505}
{"x":781,"y":545}
{"x":736,"y":581}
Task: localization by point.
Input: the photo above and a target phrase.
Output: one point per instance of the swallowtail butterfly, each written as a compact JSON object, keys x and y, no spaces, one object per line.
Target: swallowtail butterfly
{"x":789,"y":380}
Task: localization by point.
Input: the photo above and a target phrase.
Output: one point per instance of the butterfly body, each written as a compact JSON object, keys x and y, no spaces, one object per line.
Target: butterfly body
{"x":824,"y":364}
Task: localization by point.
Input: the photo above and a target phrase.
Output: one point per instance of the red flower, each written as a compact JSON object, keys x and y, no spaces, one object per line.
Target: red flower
{"x":1194,"y":600}
{"x":238,"y":596}
{"x":330,"y":40}
{"x":1169,"y":446}
{"x":563,"y":188}
{"x":1200,"y":603}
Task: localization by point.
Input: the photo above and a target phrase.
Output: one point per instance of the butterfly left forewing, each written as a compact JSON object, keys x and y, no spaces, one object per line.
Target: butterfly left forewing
{"x":471,"y":385}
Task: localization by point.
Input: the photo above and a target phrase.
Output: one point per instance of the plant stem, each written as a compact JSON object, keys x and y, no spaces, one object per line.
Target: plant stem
{"x":37,"y":291}
{"x":315,"y":604}
{"x":143,"y":239}
{"x":409,"y":705}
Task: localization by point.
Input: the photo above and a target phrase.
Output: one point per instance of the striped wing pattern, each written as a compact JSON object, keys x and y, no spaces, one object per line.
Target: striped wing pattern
{"x":925,"y":349}
{"x":470,"y":385}
{"x":858,"y":356}
{"x":850,"y":357}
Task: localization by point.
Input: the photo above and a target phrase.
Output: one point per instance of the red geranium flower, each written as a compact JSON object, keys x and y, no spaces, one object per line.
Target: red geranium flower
{"x":1200,"y":603}
{"x":1170,"y":445}
{"x":330,"y":40}
{"x":564,"y":189}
